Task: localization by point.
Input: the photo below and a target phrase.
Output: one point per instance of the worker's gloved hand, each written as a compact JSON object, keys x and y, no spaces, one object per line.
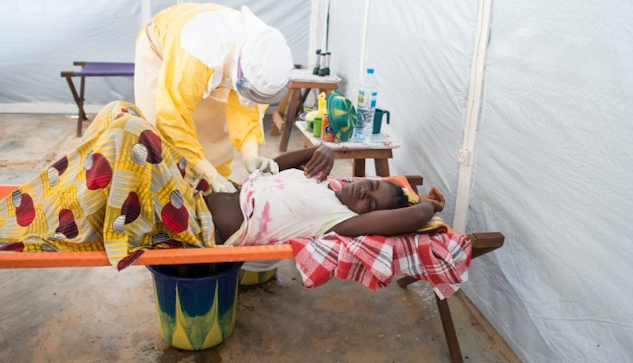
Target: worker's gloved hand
{"x":254,"y":162}
{"x":266,"y":165}
{"x":218,"y":182}
{"x":222,"y":185}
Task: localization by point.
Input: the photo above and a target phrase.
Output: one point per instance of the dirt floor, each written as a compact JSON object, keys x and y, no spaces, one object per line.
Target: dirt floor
{"x":101,"y":315}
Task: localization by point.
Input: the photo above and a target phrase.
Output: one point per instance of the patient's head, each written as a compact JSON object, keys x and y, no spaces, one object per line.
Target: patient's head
{"x":370,"y":195}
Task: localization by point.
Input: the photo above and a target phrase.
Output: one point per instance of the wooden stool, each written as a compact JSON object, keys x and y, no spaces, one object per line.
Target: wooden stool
{"x":290,"y":107}
{"x":381,"y":152}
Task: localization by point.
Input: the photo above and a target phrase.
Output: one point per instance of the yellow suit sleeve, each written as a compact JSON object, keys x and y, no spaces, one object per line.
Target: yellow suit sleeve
{"x":181,"y":86}
{"x":243,"y":123}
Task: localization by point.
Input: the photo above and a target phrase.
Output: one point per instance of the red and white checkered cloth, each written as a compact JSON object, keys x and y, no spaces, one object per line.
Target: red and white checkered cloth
{"x":442,"y":259}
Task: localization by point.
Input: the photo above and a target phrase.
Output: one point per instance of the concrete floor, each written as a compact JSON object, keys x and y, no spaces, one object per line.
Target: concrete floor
{"x":101,"y":315}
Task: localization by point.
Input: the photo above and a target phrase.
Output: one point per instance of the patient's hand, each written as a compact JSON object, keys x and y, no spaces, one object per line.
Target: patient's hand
{"x":322,"y":161}
{"x":435,"y":198}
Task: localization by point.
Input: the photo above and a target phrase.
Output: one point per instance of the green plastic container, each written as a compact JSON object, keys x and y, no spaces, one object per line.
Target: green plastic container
{"x":196,"y":303}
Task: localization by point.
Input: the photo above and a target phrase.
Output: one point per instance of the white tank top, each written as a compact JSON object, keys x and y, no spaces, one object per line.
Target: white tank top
{"x":287,"y":205}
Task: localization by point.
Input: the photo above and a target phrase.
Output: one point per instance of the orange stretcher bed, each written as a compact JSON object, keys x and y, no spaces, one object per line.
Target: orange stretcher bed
{"x":151,"y":257}
{"x":482,"y":243}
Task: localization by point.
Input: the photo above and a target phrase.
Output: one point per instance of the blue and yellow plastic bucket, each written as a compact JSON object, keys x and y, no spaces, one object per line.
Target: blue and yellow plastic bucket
{"x":196,"y":303}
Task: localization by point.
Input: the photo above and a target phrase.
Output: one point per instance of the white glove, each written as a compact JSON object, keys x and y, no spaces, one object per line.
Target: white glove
{"x":222,"y":185}
{"x":218,"y":182}
{"x":254,"y":162}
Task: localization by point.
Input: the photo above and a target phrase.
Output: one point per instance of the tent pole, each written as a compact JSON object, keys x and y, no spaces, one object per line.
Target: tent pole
{"x":326,"y":25}
{"x":314,"y":33}
{"x":363,"y":44}
{"x":466,"y":154}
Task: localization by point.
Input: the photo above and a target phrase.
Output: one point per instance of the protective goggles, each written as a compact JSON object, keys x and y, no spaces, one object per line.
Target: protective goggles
{"x":247,"y":90}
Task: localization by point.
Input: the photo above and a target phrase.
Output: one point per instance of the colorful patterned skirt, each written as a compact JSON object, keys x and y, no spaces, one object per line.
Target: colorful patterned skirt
{"x":121,"y":190}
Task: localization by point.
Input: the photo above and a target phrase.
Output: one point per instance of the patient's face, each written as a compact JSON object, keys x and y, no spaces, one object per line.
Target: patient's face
{"x":369,"y":195}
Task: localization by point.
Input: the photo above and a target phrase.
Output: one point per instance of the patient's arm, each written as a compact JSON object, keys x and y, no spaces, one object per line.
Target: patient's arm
{"x":316,"y":159}
{"x":390,"y":222}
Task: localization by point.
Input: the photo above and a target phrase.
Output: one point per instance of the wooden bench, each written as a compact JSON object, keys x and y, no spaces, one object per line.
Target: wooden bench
{"x":93,"y":69}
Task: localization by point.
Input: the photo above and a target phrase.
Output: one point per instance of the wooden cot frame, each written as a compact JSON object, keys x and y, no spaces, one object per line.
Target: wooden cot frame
{"x":482,"y":243}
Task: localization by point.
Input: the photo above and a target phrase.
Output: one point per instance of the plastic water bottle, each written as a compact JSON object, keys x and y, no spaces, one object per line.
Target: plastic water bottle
{"x":366,"y":108}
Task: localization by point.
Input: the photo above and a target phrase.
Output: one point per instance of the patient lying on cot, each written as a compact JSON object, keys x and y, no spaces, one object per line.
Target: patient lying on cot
{"x":124,"y":188}
{"x":272,"y":208}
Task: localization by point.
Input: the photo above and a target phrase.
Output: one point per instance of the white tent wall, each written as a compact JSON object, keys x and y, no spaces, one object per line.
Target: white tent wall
{"x":421,"y":52}
{"x":553,"y":173}
{"x":41,"y":38}
{"x":552,"y":160}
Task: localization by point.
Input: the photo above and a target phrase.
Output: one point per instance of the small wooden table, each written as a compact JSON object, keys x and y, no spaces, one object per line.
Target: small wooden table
{"x":379,"y":148}
{"x":299,"y":79}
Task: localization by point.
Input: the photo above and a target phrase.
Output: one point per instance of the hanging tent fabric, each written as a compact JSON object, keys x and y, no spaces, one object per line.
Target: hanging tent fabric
{"x":551,"y":158}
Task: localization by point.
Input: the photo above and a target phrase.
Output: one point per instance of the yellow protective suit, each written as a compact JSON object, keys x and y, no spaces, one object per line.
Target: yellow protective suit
{"x":182,"y":83}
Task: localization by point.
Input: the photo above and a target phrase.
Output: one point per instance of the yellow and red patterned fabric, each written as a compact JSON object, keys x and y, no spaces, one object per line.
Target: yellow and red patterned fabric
{"x":121,"y":190}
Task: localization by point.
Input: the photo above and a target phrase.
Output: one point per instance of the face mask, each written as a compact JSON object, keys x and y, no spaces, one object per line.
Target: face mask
{"x":249,"y":94}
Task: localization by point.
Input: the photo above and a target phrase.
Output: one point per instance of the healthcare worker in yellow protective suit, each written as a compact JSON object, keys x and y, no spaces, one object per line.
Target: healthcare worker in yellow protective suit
{"x":204,"y":74}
